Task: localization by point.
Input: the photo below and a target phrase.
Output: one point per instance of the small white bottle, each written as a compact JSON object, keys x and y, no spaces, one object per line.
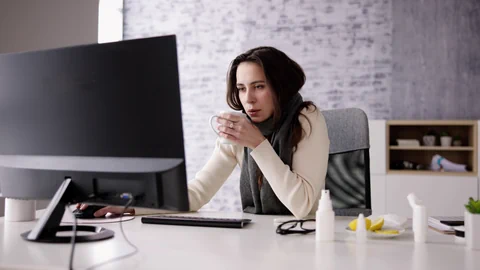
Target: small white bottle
{"x":361,"y":231}
{"x":419,"y":219}
{"x":325,"y":219}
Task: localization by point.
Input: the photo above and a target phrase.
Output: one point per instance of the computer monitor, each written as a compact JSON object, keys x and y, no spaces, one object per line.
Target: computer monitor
{"x":92,"y":124}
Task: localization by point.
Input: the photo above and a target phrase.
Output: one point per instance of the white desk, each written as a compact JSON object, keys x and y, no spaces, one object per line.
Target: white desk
{"x":256,"y":246}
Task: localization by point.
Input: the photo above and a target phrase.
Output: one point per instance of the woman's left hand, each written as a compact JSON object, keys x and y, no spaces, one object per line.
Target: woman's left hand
{"x":239,"y":130}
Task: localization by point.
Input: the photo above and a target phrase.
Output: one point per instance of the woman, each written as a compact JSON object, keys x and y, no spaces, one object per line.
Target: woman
{"x":282,"y":148}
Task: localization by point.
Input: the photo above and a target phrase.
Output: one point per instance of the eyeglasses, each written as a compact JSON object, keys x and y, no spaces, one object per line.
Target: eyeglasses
{"x":301,"y":226}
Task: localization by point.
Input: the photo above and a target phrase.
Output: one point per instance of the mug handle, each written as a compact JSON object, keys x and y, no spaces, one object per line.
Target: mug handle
{"x":214,"y":130}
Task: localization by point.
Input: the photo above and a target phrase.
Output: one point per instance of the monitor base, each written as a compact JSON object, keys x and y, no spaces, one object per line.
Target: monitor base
{"x":48,"y":225}
{"x":97,"y":233}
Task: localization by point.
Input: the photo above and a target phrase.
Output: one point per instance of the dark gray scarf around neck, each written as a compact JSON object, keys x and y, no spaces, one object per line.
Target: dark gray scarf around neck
{"x":264,"y":200}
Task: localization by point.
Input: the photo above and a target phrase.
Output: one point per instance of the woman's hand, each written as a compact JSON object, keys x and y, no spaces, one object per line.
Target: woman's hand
{"x":239,"y":130}
{"x":117,"y":210}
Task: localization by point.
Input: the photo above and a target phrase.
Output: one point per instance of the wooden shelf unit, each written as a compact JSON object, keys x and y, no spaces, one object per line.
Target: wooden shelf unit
{"x":425,"y":172}
{"x":432,"y":148}
{"x":416,"y":129}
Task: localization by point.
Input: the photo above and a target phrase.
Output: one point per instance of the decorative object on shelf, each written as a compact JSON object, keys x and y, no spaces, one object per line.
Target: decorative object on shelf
{"x":440,"y":163}
{"x":429,"y":139}
{"x":407,"y":165}
{"x":457,"y":141}
{"x":472,"y":224}
{"x":405,"y":142}
{"x":445,"y":139}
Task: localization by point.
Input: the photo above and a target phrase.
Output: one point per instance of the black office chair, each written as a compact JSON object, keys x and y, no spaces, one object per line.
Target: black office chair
{"x":348,"y":172}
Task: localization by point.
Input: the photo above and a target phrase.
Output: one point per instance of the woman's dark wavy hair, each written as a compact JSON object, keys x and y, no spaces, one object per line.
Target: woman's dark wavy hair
{"x":285,"y":78}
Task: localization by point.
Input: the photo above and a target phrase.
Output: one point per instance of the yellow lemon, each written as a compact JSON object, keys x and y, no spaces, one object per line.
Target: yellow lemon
{"x":353,"y":224}
{"x":387,"y":232}
{"x":377,"y":224}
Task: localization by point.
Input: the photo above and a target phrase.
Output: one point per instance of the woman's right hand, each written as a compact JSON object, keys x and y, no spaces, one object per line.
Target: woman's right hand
{"x":117,"y":210}
{"x":81,"y":206}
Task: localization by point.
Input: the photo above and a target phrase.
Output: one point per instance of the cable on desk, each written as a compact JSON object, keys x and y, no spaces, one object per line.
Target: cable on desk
{"x":72,"y":242}
{"x":135,"y":248}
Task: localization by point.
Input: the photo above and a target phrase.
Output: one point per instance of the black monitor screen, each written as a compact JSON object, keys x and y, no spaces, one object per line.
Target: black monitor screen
{"x":117,"y":99}
{"x":95,"y":123}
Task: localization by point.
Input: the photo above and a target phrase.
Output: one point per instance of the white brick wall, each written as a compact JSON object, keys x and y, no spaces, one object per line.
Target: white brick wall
{"x":343,"y":46}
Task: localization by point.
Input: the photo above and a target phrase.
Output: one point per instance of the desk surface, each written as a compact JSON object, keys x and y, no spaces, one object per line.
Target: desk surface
{"x":256,"y":246}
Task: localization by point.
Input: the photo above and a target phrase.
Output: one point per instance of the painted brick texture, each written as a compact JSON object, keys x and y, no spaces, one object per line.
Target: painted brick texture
{"x":343,"y":46}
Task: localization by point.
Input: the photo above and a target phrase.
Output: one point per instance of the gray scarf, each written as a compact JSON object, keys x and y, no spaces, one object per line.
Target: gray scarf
{"x":264,"y":200}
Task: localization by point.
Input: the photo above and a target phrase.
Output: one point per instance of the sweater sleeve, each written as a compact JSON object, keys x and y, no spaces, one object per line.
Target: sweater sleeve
{"x":298,"y":187}
{"x":208,"y":180}
{"x":213,"y":175}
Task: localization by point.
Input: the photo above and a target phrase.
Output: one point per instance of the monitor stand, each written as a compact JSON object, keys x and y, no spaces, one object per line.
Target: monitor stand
{"x":48,"y":225}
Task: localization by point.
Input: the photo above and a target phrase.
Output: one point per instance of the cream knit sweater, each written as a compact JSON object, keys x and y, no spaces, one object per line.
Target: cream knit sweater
{"x":298,"y":187}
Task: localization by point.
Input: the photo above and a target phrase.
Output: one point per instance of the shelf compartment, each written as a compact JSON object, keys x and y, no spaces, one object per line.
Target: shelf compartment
{"x":417,"y":132}
{"x":467,"y":153}
{"x":432,"y":148}
{"x":432,"y":122}
{"x":433,"y":173}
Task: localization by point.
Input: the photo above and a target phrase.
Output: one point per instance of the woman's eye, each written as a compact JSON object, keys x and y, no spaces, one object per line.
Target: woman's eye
{"x":259,"y":86}
{"x":241,"y":89}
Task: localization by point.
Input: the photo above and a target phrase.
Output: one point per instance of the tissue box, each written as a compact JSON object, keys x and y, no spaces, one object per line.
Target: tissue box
{"x":403,"y":142}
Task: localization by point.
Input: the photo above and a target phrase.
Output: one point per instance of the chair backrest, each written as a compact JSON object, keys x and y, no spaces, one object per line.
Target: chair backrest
{"x":348,"y":173}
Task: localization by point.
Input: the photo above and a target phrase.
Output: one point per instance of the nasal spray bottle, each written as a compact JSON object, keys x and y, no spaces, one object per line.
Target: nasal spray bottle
{"x":325,"y":219}
{"x":361,"y":232}
{"x":419,"y":218}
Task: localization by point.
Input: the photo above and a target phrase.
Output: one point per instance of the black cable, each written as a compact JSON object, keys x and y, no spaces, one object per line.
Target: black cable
{"x":135,"y":248}
{"x":72,"y":242}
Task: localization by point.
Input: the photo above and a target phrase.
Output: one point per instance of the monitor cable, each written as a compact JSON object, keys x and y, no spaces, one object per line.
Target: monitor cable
{"x":74,"y":236}
{"x":134,"y":247}
{"x":72,"y":241}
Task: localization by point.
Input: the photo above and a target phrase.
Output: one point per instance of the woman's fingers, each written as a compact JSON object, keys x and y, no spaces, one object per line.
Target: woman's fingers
{"x":227,"y":130}
{"x":239,"y":130}
{"x":102,"y":212}
{"x":230,"y":117}
{"x":225,"y":122}
{"x":239,"y":125}
{"x":229,"y":137}
{"x":114,"y":210}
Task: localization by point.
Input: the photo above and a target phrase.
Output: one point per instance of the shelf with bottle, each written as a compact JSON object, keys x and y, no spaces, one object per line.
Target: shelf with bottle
{"x":414,"y":147}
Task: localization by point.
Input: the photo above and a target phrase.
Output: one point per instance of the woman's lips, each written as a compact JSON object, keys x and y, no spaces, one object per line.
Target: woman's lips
{"x":253,"y":112}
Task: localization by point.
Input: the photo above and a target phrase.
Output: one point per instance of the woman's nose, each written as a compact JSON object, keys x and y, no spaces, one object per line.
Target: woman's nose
{"x":251,"y":96}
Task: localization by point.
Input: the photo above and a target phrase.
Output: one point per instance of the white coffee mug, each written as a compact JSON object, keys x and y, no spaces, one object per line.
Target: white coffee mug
{"x":223,"y":139}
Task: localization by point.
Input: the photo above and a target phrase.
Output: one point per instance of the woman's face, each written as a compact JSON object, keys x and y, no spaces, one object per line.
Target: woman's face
{"x":254,"y":91}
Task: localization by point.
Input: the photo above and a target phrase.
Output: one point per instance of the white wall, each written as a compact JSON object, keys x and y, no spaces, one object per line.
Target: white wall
{"x":32,"y":25}
{"x":377,"y":138}
{"x":343,"y":47}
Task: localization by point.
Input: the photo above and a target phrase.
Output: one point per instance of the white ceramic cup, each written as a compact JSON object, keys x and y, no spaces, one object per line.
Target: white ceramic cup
{"x":223,"y":139}
{"x":19,"y":210}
